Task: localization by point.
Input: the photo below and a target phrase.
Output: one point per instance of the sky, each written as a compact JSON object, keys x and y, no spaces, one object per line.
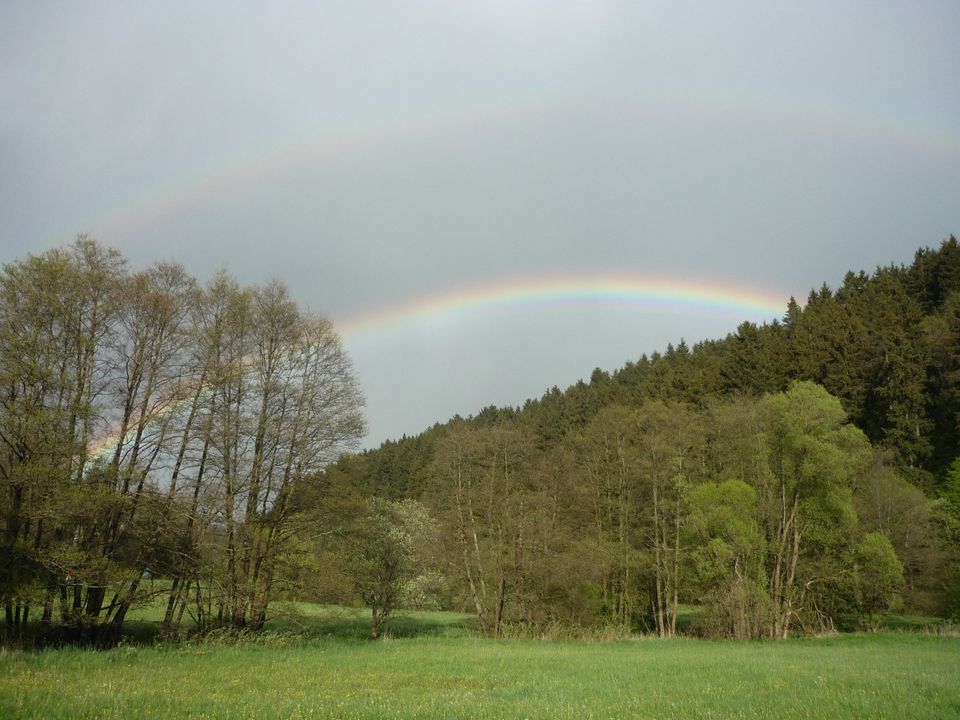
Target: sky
{"x":488,"y":198}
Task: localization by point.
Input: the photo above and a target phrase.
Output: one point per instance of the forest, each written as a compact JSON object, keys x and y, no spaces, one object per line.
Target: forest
{"x":196,"y":443}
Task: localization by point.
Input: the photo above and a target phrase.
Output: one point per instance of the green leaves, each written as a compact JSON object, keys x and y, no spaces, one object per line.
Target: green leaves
{"x":387,"y":551}
{"x":878,"y":576}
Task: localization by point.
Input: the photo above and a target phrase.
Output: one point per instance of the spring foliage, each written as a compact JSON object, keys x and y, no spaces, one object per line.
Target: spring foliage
{"x":153,"y":427}
{"x":751,"y":476}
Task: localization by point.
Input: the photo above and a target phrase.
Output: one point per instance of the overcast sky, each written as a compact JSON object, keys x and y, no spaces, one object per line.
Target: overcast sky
{"x":378,"y":154}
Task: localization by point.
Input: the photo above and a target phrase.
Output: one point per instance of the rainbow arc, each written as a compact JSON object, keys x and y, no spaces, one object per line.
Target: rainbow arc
{"x":664,"y":294}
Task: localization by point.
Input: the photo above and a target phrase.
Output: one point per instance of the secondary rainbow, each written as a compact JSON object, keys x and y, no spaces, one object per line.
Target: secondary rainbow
{"x":344,"y":137}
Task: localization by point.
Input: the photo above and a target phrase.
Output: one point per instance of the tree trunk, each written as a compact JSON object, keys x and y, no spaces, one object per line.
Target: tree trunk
{"x":500,"y":603}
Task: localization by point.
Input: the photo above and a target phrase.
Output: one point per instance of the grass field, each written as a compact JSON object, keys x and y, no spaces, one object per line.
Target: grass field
{"x":434,"y":667}
{"x":313,"y":621}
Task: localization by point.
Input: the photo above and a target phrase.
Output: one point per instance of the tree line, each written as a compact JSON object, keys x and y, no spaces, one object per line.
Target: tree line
{"x":151,"y":427}
{"x":789,"y":477}
{"x":189,"y":445}
{"x":771,"y":514}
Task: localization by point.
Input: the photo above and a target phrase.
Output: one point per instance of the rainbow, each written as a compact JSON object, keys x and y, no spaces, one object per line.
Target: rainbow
{"x":307,"y":149}
{"x":396,"y":127}
{"x":632,"y":292}
{"x":670,"y":295}
{"x":346,"y":137}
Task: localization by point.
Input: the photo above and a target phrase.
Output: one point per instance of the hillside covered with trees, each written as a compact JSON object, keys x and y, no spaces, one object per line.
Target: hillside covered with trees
{"x":163,"y":438}
{"x":786,"y":477}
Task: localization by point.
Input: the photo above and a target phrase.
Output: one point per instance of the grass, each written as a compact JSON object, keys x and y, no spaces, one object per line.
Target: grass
{"x":913,"y":622}
{"x":432,"y":667}
{"x":315,"y":621}
{"x":332,"y":621}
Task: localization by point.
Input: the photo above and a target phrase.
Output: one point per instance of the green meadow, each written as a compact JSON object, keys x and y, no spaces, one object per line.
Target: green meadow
{"x":316,"y":663}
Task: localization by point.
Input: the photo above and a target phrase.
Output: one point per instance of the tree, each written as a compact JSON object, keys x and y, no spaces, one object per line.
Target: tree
{"x":878,"y":578}
{"x":607,"y":462}
{"x":946,"y":511}
{"x":287,"y":404}
{"x":148,"y":355}
{"x":146,"y":426}
{"x":670,"y":448}
{"x":57,"y":316}
{"x":811,"y":455}
{"x":388,"y":551}
{"x":755,"y":359}
{"x":726,"y":558}
{"x":486,"y":503}
{"x":888,"y":504}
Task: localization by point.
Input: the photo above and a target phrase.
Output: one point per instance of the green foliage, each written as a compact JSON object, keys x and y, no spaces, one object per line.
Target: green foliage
{"x":149,"y":425}
{"x":748,"y":475}
{"x":387,"y":554}
{"x":951,"y":488}
{"x":728,"y":572}
{"x":877,"y":357}
{"x":947,"y":513}
{"x":887,"y":503}
{"x":806,"y":502}
{"x":878,"y":577}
